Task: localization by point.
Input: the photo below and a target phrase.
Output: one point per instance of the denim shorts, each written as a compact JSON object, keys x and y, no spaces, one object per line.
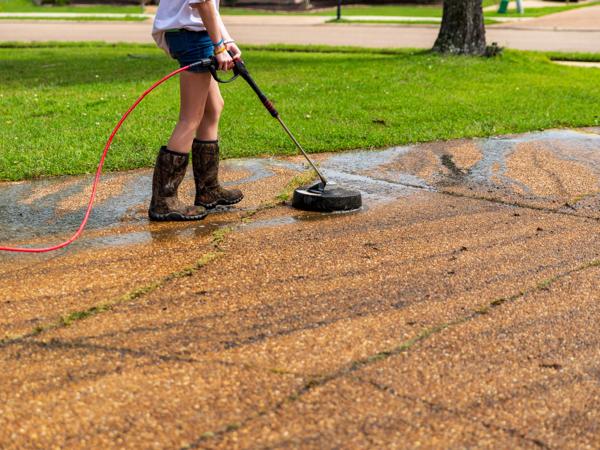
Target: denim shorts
{"x":187,"y":47}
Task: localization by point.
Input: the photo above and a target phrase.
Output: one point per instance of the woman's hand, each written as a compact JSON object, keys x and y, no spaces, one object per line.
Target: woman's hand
{"x":234,"y":50}
{"x":224,"y":61}
{"x":213,"y":23}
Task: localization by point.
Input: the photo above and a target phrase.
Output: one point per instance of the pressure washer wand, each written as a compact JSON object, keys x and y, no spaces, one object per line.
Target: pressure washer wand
{"x":240,"y":69}
{"x":287,"y":130}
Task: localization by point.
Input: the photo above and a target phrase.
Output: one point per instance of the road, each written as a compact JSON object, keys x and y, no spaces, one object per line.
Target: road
{"x":571,"y":31}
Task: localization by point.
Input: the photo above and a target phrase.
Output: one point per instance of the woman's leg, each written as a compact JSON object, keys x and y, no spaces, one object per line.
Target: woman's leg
{"x":208,"y":130}
{"x":194,"y":91}
{"x":172,"y":160}
{"x":205,"y":156}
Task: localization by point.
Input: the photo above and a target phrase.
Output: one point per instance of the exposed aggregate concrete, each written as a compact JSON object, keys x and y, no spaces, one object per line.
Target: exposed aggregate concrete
{"x":432,"y":319}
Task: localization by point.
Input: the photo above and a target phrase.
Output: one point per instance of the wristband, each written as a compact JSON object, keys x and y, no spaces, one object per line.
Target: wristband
{"x":229,"y":41}
{"x":220,"y":50}
{"x":217,"y":44}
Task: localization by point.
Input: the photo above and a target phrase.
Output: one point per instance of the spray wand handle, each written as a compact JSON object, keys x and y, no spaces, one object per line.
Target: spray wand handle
{"x":240,"y":69}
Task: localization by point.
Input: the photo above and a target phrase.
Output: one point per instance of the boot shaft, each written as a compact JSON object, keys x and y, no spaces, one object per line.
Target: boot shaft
{"x":205,"y":161}
{"x":169,"y":172}
{"x":209,"y":193}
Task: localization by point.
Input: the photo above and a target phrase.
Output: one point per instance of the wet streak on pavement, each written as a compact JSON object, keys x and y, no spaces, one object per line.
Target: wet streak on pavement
{"x":359,"y":170}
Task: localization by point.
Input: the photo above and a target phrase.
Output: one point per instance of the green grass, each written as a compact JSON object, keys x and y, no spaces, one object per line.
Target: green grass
{"x":59,"y":103}
{"x":569,"y":56}
{"x":27,"y":6}
{"x":538,"y":12}
{"x":388,"y":10}
{"x":434,"y":10}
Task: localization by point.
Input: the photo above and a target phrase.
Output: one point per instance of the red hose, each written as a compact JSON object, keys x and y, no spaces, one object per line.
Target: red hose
{"x":97,"y":177}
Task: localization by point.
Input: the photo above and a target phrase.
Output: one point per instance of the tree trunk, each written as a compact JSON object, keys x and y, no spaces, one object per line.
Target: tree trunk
{"x":462,"y":31}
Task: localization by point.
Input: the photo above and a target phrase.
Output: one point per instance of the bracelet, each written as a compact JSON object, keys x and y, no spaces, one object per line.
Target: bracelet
{"x":229,"y":41}
{"x":220,"y":50}
{"x":216,"y":44}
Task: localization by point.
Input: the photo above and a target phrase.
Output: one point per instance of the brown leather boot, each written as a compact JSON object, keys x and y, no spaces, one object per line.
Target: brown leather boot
{"x":209,"y":193}
{"x":168,"y":174}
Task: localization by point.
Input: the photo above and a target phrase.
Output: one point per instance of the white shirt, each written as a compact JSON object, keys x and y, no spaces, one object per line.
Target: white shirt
{"x":178,"y":14}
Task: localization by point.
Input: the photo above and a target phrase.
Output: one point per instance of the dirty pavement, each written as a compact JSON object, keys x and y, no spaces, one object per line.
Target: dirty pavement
{"x":458,"y":308}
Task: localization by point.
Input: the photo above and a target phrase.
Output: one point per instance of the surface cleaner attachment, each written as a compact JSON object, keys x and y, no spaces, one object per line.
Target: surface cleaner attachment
{"x":324,"y":195}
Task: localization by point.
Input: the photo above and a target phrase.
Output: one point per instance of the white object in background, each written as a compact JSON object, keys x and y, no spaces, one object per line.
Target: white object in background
{"x":520,"y":7}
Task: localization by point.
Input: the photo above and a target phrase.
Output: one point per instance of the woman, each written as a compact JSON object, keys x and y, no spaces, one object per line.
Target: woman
{"x":190,"y":30}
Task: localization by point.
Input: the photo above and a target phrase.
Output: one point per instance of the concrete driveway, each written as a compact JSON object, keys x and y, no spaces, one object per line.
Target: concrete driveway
{"x":459,"y":308}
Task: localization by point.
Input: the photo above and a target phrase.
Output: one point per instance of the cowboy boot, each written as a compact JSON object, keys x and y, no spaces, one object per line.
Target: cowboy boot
{"x":205,"y":161}
{"x":168,"y":174}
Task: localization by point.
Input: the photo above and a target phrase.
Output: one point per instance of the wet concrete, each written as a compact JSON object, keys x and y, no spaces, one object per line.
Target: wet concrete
{"x":457,"y":308}
{"x":556,"y":169}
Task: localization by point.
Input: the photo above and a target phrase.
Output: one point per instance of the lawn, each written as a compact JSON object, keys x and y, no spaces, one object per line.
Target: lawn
{"x":60,"y":102}
{"x":27,"y":6}
{"x":538,"y":12}
{"x":434,"y":10}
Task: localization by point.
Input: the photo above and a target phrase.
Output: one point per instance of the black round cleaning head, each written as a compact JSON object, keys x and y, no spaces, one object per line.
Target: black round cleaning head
{"x":329,"y":199}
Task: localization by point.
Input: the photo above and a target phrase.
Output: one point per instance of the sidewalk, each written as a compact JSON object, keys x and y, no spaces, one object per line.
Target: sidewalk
{"x":421,"y":19}
{"x":274,"y":30}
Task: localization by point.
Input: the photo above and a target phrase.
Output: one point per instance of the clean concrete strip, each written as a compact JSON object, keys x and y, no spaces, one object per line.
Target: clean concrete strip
{"x":279,"y":31}
{"x":595,"y":65}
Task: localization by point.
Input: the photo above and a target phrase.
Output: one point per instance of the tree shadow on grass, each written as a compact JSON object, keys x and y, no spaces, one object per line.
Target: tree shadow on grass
{"x":48,"y":68}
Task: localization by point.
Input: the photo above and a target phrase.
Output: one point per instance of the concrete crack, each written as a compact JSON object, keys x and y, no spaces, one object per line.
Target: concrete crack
{"x":76,"y":316}
{"x":218,"y":237}
{"x":437,"y":407}
{"x":403,"y":347}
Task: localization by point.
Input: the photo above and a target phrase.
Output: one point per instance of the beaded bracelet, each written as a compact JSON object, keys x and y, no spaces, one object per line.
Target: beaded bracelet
{"x":220,"y":50}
